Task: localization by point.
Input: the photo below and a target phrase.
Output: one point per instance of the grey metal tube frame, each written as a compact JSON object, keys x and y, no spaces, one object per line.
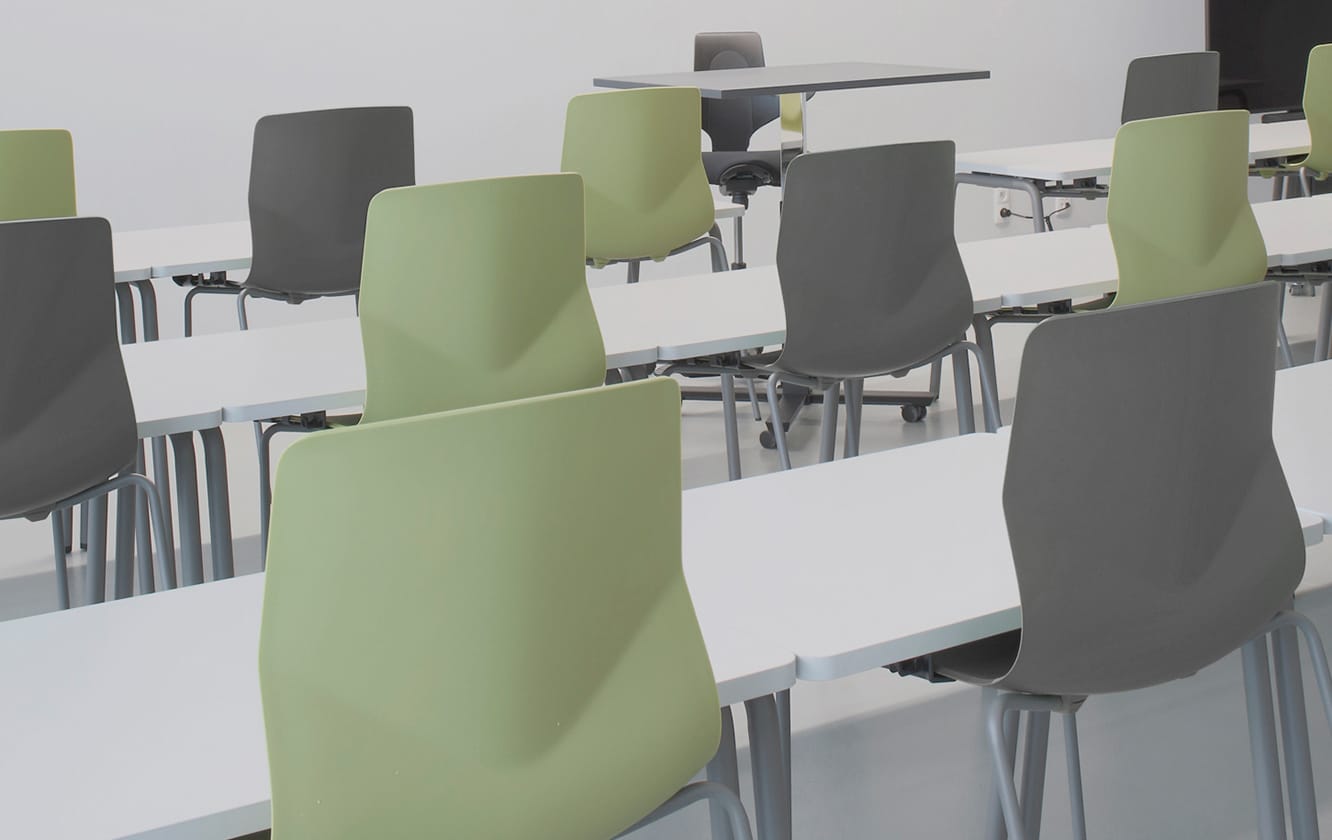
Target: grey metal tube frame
{"x":770,"y":763}
{"x":719,"y":796}
{"x":1036,"y":190}
{"x":966,"y":420}
{"x":712,"y":240}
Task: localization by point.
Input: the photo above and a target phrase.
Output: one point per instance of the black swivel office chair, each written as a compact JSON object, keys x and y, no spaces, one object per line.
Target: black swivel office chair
{"x":736,"y":170}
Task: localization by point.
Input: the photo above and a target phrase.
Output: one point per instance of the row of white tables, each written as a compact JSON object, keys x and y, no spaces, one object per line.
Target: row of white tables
{"x":171,"y":679}
{"x":1078,"y":164}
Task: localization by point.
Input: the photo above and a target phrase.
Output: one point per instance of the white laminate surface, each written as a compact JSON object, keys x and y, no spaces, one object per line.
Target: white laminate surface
{"x":169,"y":395}
{"x":1302,"y":408}
{"x":1297,"y":231}
{"x":1092,"y":158}
{"x":145,"y":714}
{"x":862,"y":562}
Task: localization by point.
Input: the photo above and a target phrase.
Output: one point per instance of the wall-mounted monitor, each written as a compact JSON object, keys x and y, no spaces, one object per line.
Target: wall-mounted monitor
{"x":1264,"y":46}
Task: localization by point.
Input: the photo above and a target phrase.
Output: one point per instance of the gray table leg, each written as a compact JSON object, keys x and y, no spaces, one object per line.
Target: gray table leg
{"x":966,"y":408}
{"x":724,"y":769}
{"x":1295,"y":734}
{"x":784,"y":730}
{"x":771,"y":805}
{"x":219,"y":503}
{"x":1262,"y":741}
{"x":127,"y":501}
{"x":187,"y":500}
{"x":732,"y":430}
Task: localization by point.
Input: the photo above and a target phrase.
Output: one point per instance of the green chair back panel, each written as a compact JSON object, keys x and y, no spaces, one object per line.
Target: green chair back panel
{"x":1318,"y":109}
{"x":36,"y":175}
{"x":476,"y":623}
{"x":793,"y":112}
{"x":641,"y":157}
{"x":476,"y":292}
{"x":1178,"y":209}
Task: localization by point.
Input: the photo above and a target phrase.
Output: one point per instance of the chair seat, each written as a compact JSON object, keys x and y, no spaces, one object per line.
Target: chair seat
{"x":982,"y":662}
{"x":743,"y":172}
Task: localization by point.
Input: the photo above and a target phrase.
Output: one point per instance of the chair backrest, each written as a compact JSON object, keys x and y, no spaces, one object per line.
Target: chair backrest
{"x":871,"y":277}
{"x":1166,"y":85}
{"x":1318,"y":108}
{"x":1151,"y":525}
{"x":476,"y":292}
{"x":641,"y":158}
{"x":731,"y":122}
{"x":36,"y":174}
{"x":312,"y":175}
{"x":469,"y":610}
{"x":66,"y":415}
{"x":1178,"y":209}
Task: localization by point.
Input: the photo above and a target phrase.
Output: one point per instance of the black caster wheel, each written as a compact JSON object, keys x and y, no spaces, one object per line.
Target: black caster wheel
{"x":913,"y":413}
{"x":766,"y":440}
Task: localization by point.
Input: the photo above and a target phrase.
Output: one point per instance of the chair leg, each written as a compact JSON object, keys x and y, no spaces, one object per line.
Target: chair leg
{"x":631,"y":271}
{"x":143,"y":548}
{"x":732,"y":430}
{"x":1072,"y":756}
{"x":989,"y":390}
{"x":61,"y":568}
{"x":1302,"y":799}
{"x":778,"y":431}
{"x":83,"y":526}
{"x":718,"y":249}
{"x":189,"y":311}
{"x":94,"y":573}
{"x":738,"y":228}
{"x":753,"y":398}
{"x":1033,"y":771}
{"x":242,"y":318}
{"x":994,"y":819}
{"x":724,"y":769}
{"x":1283,"y":342}
{"x":828,"y":427}
{"x":166,"y":552}
{"x":995,"y":712}
{"x":966,"y":409}
{"x":264,"y":441}
{"x":67,"y":528}
{"x":855,"y":404}
{"x":1262,"y":740}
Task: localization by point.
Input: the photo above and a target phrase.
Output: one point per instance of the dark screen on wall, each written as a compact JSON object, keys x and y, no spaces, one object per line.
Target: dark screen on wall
{"x":1264,"y":46}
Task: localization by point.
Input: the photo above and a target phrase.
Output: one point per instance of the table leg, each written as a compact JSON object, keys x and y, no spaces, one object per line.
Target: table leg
{"x":94,"y":573}
{"x":187,"y":500}
{"x":219,"y":503}
{"x":1324,"y":323}
{"x":771,"y":804}
{"x":143,"y":542}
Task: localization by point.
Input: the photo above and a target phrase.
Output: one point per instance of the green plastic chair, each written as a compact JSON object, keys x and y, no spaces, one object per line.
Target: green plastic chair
{"x":641,"y":157}
{"x":471,"y":293}
{"x":36,"y":175}
{"x":1317,"y":165}
{"x":469,"y":630}
{"x":1178,"y":209}
{"x":475,"y":292}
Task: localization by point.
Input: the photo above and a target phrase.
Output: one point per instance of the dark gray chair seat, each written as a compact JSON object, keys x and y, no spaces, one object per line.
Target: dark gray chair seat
{"x":743,"y":171}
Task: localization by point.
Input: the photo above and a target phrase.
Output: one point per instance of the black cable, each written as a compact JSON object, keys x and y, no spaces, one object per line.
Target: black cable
{"x":1006,"y":213}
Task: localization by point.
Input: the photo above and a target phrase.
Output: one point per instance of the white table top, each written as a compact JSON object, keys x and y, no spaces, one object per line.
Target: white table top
{"x":1092,"y":158}
{"x":797,"y":78}
{"x":1298,"y":231}
{"x":222,"y":246}
{"x":145,"y":714}
{"x":169,"y":397}
{"x":1303,"y":406}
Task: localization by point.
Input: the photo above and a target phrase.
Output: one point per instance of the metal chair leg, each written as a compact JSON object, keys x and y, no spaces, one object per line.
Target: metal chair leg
{"x":753,"y":398}
{"x":61,"y":568}
{"x":995,"y":733}
{"x":1033,"y":771}
{"x":966,"y":409}
{"x":1076,"y":804}
{"x":855,"y":404}
{"x":828,"y":427}
{"x":242,"y":318}
{"x":724,"y":769}
{"x":1262,"y":741}
{"x":732,"y":430}
{"x":715,"y":794}
{"x":989,"y":389}
{"x":778,"y":430}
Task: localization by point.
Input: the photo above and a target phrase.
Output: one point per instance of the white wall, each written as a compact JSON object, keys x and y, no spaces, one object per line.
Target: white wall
{"x":162,"y":95}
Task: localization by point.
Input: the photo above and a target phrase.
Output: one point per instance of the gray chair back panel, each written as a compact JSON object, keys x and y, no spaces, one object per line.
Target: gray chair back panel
{"x":66,"y":416}
{"x":312,"y":176}
{"x":1143,"y":494}
{"x":731,"y":122}
{"x":871,"y":276}
{"x":1166,"y":85}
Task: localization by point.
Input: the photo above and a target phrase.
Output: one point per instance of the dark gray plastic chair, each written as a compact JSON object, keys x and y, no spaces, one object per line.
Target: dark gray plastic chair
{"x":1167,"y":85}
{"x":1147,"y":544}
{"x":67,"y":427}
{"x":872,"y":281}
{"x":738,"y":171}
{"x":312,"y":175}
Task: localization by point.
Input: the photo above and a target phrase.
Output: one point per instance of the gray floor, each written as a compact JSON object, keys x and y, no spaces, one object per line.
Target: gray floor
{"x":877,"y":755}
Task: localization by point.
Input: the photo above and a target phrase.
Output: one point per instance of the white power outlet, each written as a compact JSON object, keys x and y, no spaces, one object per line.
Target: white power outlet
{"x":1002,"y":202}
